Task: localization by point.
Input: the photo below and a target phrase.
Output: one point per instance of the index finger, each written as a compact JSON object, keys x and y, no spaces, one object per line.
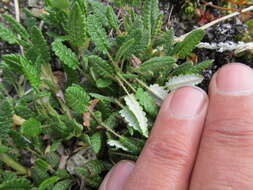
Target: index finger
{"x":168,"y":156}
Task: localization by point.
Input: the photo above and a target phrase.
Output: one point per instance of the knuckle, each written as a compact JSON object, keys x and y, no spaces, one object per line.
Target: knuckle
{"x":231,"y":131}
{"x":173,"y":154}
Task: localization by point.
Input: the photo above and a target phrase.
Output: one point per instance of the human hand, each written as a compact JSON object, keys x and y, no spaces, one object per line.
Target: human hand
{"x":189,"y":149}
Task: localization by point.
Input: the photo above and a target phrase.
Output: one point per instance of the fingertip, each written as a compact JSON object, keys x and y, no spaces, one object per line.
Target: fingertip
{"x":234,"y":79}
{"x":187,"y":102}
{"x":117,"y":176}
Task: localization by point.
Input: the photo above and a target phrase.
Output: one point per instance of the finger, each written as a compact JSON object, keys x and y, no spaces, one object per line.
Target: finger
{"x":167,"y":158}
{"x":117,"y":176}
{"x":225,"y":159}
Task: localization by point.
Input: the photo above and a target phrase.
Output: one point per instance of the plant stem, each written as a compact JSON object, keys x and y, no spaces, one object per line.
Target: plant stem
{"x":103,"y":124}
{"x":122,"y":85}
{"x":126,"y":82}
{"x":13,"y":164}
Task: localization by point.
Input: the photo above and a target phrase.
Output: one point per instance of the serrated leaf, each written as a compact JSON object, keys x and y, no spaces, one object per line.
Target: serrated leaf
{"x":156,"y":67}
{"x":16,"y":184}
{"x":190,"y":42}
{"x":40,"y":44}
{"x":150,"y":16}
{"x":130,"y":118}
{"x":77,"y":98}
{"x":63,"y":185}
{"x":184,"y":80}
{"x":6,"y":113}
{"x":200,"y":67}
{"x":98,"y":34}
{"x":155,"y":64}
{"x":102,"y":67}
{"x":183,"y":69}
{"x":112,"y":18}
{"x":124,"y":49}
{"x":140,"y":115}
{"x":31,"y":72}
{"x":31,"y":128}
{"x":17,"y":27}
{"x":132,"y":145}
{"x":100,"y":11}
{"x":158,"y":92}
{"x":66,"y":55}
{"x":103,"y":83}
{"x":77,"y":25}
{"x":147,"y":101}
{"x":7,"y":35}
{"x":48,"y":182}
{"x":117,"y":144}
{"x":96,"y":142}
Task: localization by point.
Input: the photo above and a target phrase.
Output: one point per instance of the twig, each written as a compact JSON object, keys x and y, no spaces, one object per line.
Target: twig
{"x":208,"y":25}
{"x":17,"y":16}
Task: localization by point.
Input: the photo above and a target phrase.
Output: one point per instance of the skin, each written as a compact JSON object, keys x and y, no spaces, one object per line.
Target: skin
{"x":199,"y":141}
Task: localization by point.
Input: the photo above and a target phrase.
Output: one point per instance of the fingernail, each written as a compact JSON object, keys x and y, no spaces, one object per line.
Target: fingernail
{"x":235,"y":79}
{"x":118,"y":175}
{"x":188,"y":102}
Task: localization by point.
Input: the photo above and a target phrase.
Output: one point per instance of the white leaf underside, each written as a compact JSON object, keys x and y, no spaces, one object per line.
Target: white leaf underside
{"x":117,"y":144}
{"x":158,"y":92}
{"x":184,"y":80}
{"x":137,"y":110}
{"x":130,"y":118}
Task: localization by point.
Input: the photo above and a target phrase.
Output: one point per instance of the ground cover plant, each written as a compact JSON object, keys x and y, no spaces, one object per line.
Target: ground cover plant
{"x":84,"y":93}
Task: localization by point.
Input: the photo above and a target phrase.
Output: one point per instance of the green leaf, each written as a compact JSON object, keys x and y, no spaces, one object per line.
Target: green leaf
{"x":16,"y":26}
{"x":3,"y":149}
{"x":101,"y":97}
{"x":66,"y":55}
{"x":96,"y":142}
{"x":6,"y":113}
{"x":124,"y":49}
{"x":63,"y":185}
{"x":156,"y":65}
{"x":147,"y":102}
{"x":150,"y":16}
{"x":77,"y":98}
{"x":60,"y":4}
{"x":183,"y":68}
{"x":200,"y":67}
{"x":48,"y":182}
{"x":31,"y":72}
{"x":31,"y":128}
{"x":40,"y":44}
{"x":77,"y":25}
{"x":98,"y":34}
{"x":7,"y":35}
{"x":112,"y":18}
{"x":100,"y":11}
{"x":92,"y":168}
{"x":133,"y":146}
{"x":102,"y":67}
{"x":103,"y":83}
{"x":185,"y":47}
{"x":16,"y":184}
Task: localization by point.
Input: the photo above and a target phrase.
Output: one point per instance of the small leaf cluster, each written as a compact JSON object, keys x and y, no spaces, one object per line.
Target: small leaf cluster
{"x":87,"y":86}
